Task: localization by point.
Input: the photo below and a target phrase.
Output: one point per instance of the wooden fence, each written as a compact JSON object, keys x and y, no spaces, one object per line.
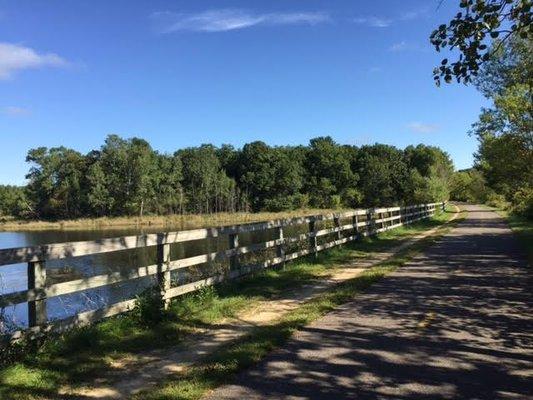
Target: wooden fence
{"x":361,"y":223}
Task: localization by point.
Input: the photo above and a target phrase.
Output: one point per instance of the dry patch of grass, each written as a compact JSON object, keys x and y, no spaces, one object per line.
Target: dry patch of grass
{"x":174,"y":221}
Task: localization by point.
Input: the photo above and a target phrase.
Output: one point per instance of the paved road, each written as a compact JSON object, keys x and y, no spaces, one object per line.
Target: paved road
{"x":456,"y":323}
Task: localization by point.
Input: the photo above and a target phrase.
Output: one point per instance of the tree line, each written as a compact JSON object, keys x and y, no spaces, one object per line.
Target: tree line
{"x":128,"y":177}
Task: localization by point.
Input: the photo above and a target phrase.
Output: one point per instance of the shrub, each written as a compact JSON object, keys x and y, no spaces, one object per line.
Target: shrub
{"x":285,"y":203}
{"x":522,"y":203}
{"x":149,"y":307}
{"x":497,"y":200}
{"x":206,"y":294}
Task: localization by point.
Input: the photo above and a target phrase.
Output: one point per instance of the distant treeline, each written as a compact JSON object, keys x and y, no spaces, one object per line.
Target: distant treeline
{"x":127,"y":177}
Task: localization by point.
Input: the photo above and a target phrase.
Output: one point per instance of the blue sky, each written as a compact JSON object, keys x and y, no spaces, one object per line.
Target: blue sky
{"x":182,"y":73}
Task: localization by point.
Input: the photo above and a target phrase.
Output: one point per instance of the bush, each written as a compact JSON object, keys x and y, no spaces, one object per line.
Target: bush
{"x":497,"y":200}
{"x":285,"y":203}
{"x":206,"y":294}
{"x":522,"y":203}
{"x":149,"y":307}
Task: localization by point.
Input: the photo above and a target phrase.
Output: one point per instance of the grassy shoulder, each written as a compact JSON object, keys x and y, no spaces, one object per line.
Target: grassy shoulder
{"x":176,"y":221}
{"x":522,"y":227}
{"x":83,"y":354}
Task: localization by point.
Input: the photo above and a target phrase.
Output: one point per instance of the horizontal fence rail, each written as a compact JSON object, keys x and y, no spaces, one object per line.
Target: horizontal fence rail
{"x":361,"y":223}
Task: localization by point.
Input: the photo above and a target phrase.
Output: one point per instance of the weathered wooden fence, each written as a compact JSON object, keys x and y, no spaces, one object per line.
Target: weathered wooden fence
{"x":360,"y":223}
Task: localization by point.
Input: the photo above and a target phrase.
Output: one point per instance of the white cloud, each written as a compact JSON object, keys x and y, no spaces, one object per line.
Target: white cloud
{"x":384,"y":22}
{"x":14,"y":58}
{"x":400,"y":46}
{"x":420,"y":127}
{"x":230,"y":19}
{"x":414,"y":14}
{"x":14,"y":111}
{"x":375,"y":22}
{"x":406,"y":46}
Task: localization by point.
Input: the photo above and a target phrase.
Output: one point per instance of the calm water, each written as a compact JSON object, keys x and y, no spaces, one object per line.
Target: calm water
{"x":14,"y":277}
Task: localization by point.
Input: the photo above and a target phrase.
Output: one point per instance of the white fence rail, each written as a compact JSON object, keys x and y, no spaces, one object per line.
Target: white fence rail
{"x":361,"y":223}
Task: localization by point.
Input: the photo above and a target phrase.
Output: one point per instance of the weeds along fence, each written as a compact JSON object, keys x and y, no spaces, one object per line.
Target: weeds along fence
{"x":286,"y":239}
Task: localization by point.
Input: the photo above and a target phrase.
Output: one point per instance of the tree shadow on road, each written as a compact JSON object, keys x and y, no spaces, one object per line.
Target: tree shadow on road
{"x":456,"y":323}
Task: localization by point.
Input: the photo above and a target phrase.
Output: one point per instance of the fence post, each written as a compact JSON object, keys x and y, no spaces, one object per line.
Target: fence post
{"x":233,"y":244}
{"x":355,"y":222}
{"x":337,"y":224}
{"x":280,"y":249}
{"x":37,"y":280}
{"x":163,"y":267}
{"x":370,"y":222}
{"x":312,"y":237}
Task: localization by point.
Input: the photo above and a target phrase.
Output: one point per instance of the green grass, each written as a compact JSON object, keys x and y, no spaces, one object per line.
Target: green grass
{"x":79,"y":356}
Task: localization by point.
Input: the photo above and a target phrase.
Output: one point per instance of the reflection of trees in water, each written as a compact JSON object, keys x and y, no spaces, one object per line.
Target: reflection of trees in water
{"x":8,"y":322}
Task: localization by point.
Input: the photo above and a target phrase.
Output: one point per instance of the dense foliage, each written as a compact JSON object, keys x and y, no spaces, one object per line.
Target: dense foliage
{"x":127,"y":177}
{"x":13,"y":201}
{"x":504,"y":158}
{"x":471,"y":31}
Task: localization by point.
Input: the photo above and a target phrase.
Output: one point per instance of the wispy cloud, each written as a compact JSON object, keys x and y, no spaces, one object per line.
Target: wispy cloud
{"x":400,"y":46}
{"x":384,"y":22}
{"x":14,"y":111}
{"x":420,"y":127}
{"x":414,"y":14}
{"x":230,"y":19}
{"x":375,"y":22}
{"x":14,"y":58}
{"x":406,"y":46}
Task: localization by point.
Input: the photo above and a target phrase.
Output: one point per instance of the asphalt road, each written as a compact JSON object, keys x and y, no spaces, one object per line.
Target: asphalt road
{"x":455,"y":323}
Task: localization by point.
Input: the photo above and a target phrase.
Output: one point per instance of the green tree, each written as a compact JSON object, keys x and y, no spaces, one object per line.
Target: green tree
{"x":331,"y":182}
{"x":98,"y":198}
{"x":13,"y":201}
{"x":167,"y":179}
{"x":55,"y":182}
{"x":469,"y":185}
{"x":383,"y":175}
{"x":208,"y":189}
{"x":271,"y":177}
{"x":129,"y":167}
{"x":505,"y":130}
{"x":430,"y":173}
{"x":472,"y":30}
